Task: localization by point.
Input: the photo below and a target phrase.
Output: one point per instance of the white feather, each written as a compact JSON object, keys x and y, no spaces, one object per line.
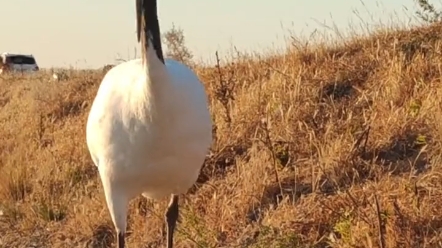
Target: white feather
{"x":148,"y":131}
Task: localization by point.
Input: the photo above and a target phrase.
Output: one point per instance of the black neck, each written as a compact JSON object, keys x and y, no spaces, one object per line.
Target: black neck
{"x":148,"y":27}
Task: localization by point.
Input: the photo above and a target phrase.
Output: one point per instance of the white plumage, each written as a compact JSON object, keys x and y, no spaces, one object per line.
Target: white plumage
{"x":149,"y":128}
{"x":59,"y":76}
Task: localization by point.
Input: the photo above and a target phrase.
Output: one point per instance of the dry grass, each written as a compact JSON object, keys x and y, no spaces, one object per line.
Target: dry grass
{"x":353,"y":132}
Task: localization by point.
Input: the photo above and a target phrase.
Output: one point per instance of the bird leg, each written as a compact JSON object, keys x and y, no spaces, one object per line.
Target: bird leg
{"x":171,"y":219}
{"x":120,"y":239}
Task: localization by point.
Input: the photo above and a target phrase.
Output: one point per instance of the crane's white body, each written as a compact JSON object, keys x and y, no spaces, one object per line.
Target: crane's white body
{"x":148,"y":131}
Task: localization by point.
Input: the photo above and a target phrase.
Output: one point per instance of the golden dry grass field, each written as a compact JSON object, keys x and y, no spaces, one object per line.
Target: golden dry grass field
{"x":321,"y":147}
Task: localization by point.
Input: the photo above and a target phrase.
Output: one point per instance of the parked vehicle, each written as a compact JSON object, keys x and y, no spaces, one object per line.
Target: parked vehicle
{"x":17,"y":63}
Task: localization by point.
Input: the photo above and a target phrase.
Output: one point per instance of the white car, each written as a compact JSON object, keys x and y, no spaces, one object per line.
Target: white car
{"x":18,"y":63}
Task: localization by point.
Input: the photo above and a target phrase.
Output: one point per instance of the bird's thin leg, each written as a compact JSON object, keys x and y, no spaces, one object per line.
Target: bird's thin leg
{"x":120,"y":239}
{"x":171,"y":219}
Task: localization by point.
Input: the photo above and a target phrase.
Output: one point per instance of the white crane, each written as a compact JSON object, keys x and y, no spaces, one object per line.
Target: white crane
{"x":149,"y":128}
{"x":61,"y":75}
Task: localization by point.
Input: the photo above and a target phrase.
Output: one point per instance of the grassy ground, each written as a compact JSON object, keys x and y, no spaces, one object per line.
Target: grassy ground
{"x":328,"y":147}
